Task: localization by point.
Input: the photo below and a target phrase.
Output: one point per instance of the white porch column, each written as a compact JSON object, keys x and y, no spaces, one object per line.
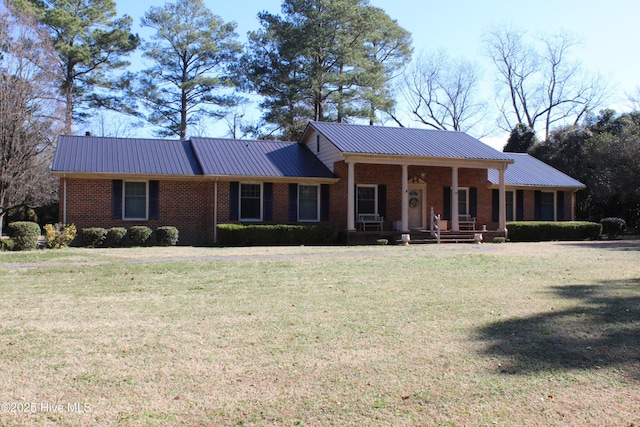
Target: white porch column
{"x":455,"y":224}
{"x":405,"y":198}
{"x":502,"y":218}
{"x":351,"y":198}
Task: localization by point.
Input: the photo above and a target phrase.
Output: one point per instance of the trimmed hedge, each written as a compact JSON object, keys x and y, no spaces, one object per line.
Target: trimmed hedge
{"x":93,"y":236}
{"x":167,"y":236}
{"x":542,"y":231}
{"x":25,"y":235}
{"x":613,"y":226}
{"x":116,"y":237}
{"x":277,"y":234}
{"x":139,"y":235}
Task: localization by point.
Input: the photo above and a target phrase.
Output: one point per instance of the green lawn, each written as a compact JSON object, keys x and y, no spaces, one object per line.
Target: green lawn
{"x":453,"y":335}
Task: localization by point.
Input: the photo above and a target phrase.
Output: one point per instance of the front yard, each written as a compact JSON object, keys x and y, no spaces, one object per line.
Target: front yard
{"x":451,"y":335}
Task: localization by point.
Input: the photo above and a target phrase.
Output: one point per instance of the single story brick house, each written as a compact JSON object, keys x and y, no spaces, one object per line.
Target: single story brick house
{"x":336,"y":174}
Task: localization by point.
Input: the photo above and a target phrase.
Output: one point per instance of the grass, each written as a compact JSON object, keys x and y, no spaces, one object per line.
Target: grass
{"x":460,"y":335}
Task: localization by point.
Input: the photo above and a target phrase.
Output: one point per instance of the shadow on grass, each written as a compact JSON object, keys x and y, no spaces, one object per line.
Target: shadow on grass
{"x":614,"y":245}
{"x":603,"y":330}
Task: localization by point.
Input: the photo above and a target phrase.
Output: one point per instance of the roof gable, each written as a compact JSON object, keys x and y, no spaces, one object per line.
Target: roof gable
{"x":531,"y":172}
{"x":220,"y":156}
{"x":379,"y":140}
{"x":90,"y":154}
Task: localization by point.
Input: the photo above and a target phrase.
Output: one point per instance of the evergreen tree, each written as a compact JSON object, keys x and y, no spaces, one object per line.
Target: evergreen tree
{"x":89,"y":41}
{"x":324,"y":60}
{"x":191,"y":52}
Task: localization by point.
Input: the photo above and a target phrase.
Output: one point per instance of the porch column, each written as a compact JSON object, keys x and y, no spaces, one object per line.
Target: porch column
{"x":405,"y":198}
{"x":455,"y":224}
{"x":502,"y":218}
{"x":351,"y":197}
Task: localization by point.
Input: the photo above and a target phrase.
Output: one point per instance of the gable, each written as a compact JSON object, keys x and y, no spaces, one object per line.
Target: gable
{"x":396,"y":141}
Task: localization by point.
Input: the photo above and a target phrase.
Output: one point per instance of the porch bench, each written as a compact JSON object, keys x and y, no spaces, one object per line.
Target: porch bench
{"x":370,"y":219}
{"x":466,"y":222}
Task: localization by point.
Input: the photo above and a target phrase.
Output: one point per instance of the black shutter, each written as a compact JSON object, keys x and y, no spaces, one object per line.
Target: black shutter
{"x":560,"y":207}
{"x":446,"y":204}
{"x":116,"y":199}
{"x":473,"y":202}
{"x":382,"y":200}
{"x":495,"y":205}
{"x":234,"y":200}
{"x":293,"y":202}
{"x":519,"y":205}
{"x":538,"y":205}
{"x":324,"y":202}
{"x":154,"y":199}
{"x":267,"y":201}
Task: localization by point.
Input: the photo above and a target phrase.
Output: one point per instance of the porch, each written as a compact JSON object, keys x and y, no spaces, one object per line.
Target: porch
{"x":421,"y":236}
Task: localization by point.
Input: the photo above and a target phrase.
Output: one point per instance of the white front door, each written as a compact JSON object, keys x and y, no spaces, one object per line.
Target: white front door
{"x":417,"y":204}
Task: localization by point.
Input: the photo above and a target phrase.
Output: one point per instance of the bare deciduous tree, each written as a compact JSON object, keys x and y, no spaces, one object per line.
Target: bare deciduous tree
{"x":540,"y":86}
{"x":441,"y":93}
{"x":28,"y":110}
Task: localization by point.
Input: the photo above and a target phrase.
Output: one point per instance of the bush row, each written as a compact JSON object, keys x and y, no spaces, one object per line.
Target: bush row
{"x":138,"y":235}
{"x":540,"y":231}
{"x":277,"y":234}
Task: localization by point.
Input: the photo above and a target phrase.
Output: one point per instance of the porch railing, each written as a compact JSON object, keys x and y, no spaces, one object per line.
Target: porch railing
{"x":435,"y":226}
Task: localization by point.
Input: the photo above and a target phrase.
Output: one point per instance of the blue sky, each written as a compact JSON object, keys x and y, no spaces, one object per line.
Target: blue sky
{"x":608,"y":31}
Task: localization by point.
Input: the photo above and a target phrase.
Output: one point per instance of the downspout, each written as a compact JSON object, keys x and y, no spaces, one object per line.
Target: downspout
{"x":64,"y":199}
{"x":215,"y":211}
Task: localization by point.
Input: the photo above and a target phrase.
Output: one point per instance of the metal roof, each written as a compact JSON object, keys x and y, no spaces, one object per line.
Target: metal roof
{"x":531,"y":172}
{"x":220,"y":156}
{"x":91,"y":154}
{"x":363,"y":139}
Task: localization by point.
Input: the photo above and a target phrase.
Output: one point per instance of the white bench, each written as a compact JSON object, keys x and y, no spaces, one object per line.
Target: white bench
{"x":466,"y":222}
{"x":374,"y":220}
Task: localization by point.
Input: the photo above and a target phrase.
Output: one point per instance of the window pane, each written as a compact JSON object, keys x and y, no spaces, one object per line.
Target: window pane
{"x":510,"y":205}
{"x":308,"y":203}
{"x":462,"y":202}
{"x":366,"y":200}
{"x":250,"y":201}
{"x":135,"y":200}
{"x":547,"y":204}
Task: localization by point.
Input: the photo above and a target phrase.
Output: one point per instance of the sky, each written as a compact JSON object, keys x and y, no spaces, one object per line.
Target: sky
{"x":608,"y":32}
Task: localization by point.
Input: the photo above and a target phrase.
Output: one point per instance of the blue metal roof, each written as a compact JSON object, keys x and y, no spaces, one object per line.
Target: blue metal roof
{"x":220,"y":156}
{"x":531,"y":172}
{"x":93,"y":154}
{"x":363,"y":139}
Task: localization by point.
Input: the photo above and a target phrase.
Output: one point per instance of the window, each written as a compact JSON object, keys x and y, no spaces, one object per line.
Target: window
{"x":251,"y":202}
{"x":463,"y":201}
{"x":547,"y":206}
{"x":135,"y":204}
{"x":308,"y":203}
{"x":367,"y":199}
{"x":511,"y":205}
{"x":317,"y":143}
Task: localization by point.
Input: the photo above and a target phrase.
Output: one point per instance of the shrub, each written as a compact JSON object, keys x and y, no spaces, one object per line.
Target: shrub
{"x":93,"y":236}
{"x":277,"y":234}
{"x":612,"y":226}
{"x":167,"y":236}
{"x":25,"y":234}
{"x":59,"y":235}
{"x":499,"y":239}
{"x":540,"y":231}
{"x":115,"y":236}
{"x":7,"y":244}
{"x":139,"y":234}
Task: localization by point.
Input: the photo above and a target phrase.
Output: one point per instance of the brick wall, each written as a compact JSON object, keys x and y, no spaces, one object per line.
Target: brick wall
{"x":186,"y":205}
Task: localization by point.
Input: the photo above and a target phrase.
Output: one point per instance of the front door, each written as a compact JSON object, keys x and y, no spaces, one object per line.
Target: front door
{"x":417,"y":205}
